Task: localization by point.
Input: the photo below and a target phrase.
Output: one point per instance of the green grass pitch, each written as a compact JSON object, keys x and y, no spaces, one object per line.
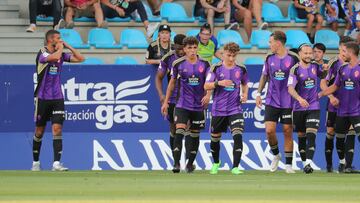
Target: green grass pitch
{"x":164,"y":186}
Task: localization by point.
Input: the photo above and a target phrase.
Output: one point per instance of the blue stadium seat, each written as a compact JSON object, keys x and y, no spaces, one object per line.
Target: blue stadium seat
{"x":292,"y":14}
{"x":254,"y":61}
{"x":202,"y":20}
{"x":193,"y":32}
{"x":151,"y":17}
{"x":118,"y":19}
{"x":226,"y":36}
{"x":155,"y":35}
{"x":102,"y":39}
{"x":133,"y":39}
{"x":260,"y":38}
{"x":128,"y":60}
{"x":84,"y":19}
{"x":272,"y":13}
{"x":174,"y":12}
{"x":328,"y":37}
{"x":73,"y":38}
{"x":45,"y":19}
{"x":294,"y":38}
{"x":93,"y":61}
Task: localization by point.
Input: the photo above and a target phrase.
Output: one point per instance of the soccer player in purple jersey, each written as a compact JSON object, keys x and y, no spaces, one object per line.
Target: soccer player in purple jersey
{"x":334,"y":64}
{"x":347,"y":85}
{"x":164,"y":70}
{"x":49,"y":99}
{"x":302,"y":86}
{"x":226,"y":79}
{"x":190,"y":73}
{"x":278,"y":100}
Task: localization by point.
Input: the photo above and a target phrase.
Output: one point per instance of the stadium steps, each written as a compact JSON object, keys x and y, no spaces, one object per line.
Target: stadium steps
{"x":21,"y":47}
{"x":9,"y":11}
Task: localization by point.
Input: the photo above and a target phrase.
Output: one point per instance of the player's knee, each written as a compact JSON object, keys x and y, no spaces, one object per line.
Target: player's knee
{"x":57,"y":131}
{"x":270,"y":132}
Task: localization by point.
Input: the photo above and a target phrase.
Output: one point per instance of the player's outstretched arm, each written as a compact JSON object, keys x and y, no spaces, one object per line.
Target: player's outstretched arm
{"x":329,"y":90}
{"x":59,"y":48}
{"x":76,"y":57}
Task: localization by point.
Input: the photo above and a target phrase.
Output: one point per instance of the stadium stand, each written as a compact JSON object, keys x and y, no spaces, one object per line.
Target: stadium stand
{"x":126,"y":60}
{"x":20,"y":47}
{"x":133,"y":39}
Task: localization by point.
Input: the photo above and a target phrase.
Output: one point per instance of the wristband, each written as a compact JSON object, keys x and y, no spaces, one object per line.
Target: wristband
{"x":258,"y":94}
{"x":216,"y":83}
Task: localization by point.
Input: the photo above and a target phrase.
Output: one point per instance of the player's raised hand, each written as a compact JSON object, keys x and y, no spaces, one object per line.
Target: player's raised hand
{"x":164,"y":109}
{"x":225,"y":83}
{"x":303,"y":103}
{"x":258,"y":101}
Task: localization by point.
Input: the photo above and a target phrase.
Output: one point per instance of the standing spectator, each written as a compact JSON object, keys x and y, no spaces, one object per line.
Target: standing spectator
{"x":47,"y":8}
{"x":309,"y":9}
{"x":244,"y":11}
{"x":124,"y":9}
{"x":338,"y":9}
{"x":160,"y":47}
{"x":356,"y":23}
{"x":207,"y":47}
{"x":87,"y":8}
{"x":211,"y":9}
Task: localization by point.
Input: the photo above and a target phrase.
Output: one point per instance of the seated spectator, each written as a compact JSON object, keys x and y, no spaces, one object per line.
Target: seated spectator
{"x":124,"y":9}
{"x":338,"y":9}
{"x":354,"y":33}
{"x":309,"y":9}
{"x":243,"y":11}
{"x":207,"y":47}
{"x":155,"y":6}
{"x":160,"y":47}
{"x":46,"y":8}
{"x":319,"y":50}
{"x":86,"y":8}
{"x":211,"y":9}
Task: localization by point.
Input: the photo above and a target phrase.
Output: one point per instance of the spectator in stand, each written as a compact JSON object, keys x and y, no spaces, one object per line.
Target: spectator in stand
{"x":160,"y":47}
{"x":87,"y":8}
{"x":356,"y":23}
{"x":243,"y":11}
{"x":46,"y":8}
{"x":124,"y":8}
{"x":207,"y":47}
{"x":338,"y":9}
{"x":155,"y":6}
{"x":211,"y":9}
{"x":319,"y":50}
{"x":309,"y":9}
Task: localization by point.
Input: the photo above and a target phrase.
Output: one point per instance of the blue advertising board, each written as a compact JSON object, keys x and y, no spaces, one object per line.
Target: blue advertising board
{"x":113,"y":121}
